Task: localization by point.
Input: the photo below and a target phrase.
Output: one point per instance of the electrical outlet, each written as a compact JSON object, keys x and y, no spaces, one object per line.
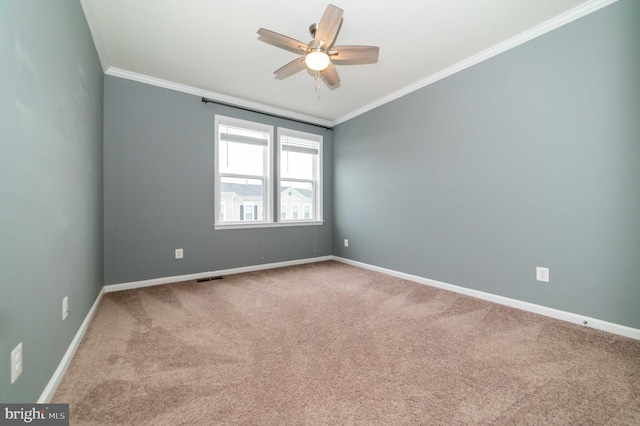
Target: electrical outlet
{"x":65,"y":308}
{"x":542,"y":274}
{"x":179,"y":253}
{"x":346,"y":242}
{"x":16,"y":362}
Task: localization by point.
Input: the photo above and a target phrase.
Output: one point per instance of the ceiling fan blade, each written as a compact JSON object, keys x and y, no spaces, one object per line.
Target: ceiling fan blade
{"x":328,"y":26}
{"x":290,"y":68}
{"x":330,"y":75}
{"x":282,"y":40}
{"x":355,"y":53}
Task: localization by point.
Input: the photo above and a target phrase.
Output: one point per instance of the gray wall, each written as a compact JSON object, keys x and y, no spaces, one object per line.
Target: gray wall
{"x":50,"y":185}
{"x":159,"y":186}
{"x":531,"y":158}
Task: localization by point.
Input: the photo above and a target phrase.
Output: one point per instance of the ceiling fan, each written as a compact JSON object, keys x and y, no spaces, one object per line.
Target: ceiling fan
{"x":320,"y":53}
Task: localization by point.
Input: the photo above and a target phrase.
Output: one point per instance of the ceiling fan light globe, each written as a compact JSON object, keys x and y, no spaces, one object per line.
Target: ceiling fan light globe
{"x":317,"y":60}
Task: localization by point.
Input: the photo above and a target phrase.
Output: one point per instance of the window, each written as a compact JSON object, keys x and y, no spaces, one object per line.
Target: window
{"x":248,"y":212}
{"x":249,"y":191}
{"x":300,"y":174}
{"x":243,"y":151}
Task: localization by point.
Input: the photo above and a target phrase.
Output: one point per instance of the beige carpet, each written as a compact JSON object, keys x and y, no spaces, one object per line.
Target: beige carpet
{"x":329,"y":343}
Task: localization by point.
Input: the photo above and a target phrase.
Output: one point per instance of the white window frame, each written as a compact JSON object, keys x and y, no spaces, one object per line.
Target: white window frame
{"x":267,"y":179}
{"x":316,"y":182}
{"x":271,"y":216}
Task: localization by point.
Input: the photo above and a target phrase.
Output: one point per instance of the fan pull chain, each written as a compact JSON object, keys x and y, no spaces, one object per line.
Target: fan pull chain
{"x":318,"y":84}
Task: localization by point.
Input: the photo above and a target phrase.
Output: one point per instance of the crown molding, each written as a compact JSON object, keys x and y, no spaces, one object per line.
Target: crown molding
{"x":92,"y":22}
{"x":232,"y":101}
{"x":537,"y":31}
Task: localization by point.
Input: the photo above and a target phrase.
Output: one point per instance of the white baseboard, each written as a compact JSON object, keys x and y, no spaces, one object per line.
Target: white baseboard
{"x":583,"y":320}
{"x":178,"y":278}
{"x":53,"y":384}
{"x":156,"y":281}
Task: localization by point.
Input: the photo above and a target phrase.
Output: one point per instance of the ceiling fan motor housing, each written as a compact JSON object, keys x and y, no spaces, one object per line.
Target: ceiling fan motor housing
{"x":312,"y":29}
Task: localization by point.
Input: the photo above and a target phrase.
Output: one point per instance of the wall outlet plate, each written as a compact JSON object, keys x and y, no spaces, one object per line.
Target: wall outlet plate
{"x":346,"y":242}
{"x":16,"y":362}
{"x":65,"y":308}
{"x":542,"y":274}
{"x":179,"y":253}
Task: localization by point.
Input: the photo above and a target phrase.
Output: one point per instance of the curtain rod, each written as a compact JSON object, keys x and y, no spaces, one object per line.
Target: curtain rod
{"x":211,"y":101}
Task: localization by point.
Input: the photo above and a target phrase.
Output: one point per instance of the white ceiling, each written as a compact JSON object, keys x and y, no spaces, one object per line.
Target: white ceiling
{"x":210,"y":47}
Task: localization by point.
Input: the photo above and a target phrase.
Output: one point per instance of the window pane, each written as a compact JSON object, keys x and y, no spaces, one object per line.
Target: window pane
{"x":242,"y":150}
{"x":244,"y":153}
{"x":297,"y":165}
{"x":293,"y":195}
{"x":298,"y":157}
{"x":241,"y":158}
{"x":242,"y":199}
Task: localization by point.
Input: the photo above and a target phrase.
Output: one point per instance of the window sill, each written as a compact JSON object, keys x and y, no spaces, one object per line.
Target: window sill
{"x":268,"y":225}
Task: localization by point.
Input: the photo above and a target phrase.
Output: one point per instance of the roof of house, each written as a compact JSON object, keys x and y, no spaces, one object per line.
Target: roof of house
{"x":242,"y":190}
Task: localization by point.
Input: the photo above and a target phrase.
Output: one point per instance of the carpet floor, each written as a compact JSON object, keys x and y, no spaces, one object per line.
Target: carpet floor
{"x":329,"y":343}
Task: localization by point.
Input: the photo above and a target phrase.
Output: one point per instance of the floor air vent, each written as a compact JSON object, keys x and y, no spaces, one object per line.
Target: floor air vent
{"x":201,"y":280}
